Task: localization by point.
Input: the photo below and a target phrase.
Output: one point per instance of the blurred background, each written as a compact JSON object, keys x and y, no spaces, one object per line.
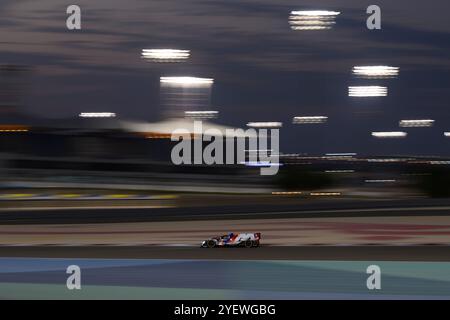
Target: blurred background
{"x":86,"y":118}
{"x":361,"y":113}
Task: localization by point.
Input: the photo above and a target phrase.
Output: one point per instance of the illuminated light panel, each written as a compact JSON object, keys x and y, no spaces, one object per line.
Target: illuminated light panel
{"x":325,"y":193}
{"x":309,"y":120}
{"x":447,"y":134}
{"x":201,"y":114}
{"x":386,"y":160}
{"x":312,"y":20}
{"x":165,"y":55}
{"x":339,"y":171}
{"x":284,"y":193}
{"x":187,"y":81}
{"x":261,"y":164}
{"x":389,"y":134}
{"x":440,"y":162}
{"x":345,"y":154}
{"x":336,"y":157}
{"x":367,"y":91}
{"x":315,"y":13}
{"x":416,"y":123}
{"x":97,"y":115}
{"x":380,"y":181}
{"x":265,"y":124}
{"x":378,"y":72}
{"x":18,"y":130}
{"x":296,"y":28}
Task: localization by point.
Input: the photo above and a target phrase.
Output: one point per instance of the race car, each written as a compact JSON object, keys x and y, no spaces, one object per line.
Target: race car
{"x":247,"y":240}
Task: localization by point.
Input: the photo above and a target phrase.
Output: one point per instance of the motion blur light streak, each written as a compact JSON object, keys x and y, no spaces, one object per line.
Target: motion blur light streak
{"x":12,"y":130}
{"x":312,"y":20}
{"x":199,"y":115}
{"x":315,"y":13}
{"x":439,"y":162}
{"x":295,"y":27}
{"x":165,"y":55}
{"x":392,"y":134}
{"x":260,"y":163}
{"x":309,"y":120}
{"x":416,"y":123}
{"x":160,"y":136}
{"x":345,"y":154}
{"x":325,"y":193}
{"x":386,"y":160}
{"x":97,"y":115}
{"x":334,"y":157}
{"x":283,"y":193}
{"x":265,"y":124}
{"x":259,"y":150}
{"x":187,"y":81}
{"x":367,"y":91}
{"x":375,"y":72}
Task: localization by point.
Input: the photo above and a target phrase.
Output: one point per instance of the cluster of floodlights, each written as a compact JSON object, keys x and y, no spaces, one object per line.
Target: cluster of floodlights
{"x":312,"y":20}
{"x":165,"y":55}
{"x":298,"y":20}
{"x":310,"y":120}
{"x":372,"y":72}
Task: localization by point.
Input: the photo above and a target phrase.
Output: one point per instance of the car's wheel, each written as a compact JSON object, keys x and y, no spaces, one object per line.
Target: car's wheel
{"x":210,"y":243}
{"x":248,"y":243}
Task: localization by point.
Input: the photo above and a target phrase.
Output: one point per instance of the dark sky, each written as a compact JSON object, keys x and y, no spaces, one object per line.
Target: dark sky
{"x":263,"y":70}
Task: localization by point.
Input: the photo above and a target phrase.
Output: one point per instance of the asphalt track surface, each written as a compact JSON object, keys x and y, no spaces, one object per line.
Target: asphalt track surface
{"x":347,"y":253}
{"x":187,"y":272}
{"x":342,"y":208}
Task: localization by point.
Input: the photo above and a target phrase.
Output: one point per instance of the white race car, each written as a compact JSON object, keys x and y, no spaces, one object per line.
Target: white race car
{"x":247,"y":240}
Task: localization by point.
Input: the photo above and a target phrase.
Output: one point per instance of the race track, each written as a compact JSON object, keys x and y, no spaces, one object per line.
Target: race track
{"x":353,"y":253}
{"x":323,"y":209}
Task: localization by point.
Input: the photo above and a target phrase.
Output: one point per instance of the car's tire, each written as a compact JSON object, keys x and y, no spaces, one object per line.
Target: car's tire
{"x":210,"y":243}
{"x":248,"y":243}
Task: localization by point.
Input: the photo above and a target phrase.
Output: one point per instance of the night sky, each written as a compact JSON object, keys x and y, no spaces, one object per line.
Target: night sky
{"x":263,"y":70}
